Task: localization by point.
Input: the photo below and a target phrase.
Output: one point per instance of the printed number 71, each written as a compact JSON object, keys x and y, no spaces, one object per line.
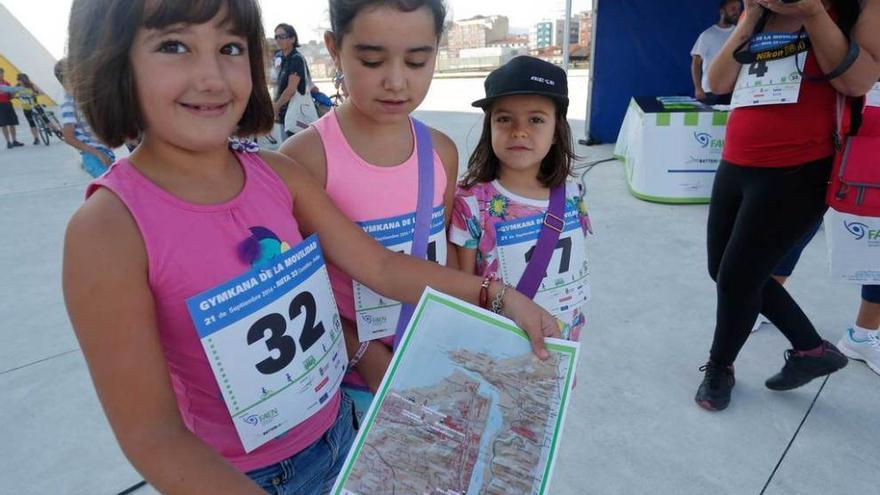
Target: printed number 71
{"x":564,"y":263}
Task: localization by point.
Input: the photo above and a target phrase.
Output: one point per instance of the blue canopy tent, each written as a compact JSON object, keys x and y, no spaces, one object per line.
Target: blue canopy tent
{"x":640,"y":48}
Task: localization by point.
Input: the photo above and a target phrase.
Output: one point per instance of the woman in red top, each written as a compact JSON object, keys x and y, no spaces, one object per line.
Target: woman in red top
{"x":770,"y":186}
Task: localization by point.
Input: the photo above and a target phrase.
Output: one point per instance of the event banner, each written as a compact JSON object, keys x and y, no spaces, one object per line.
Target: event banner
{"x":465,"y":408}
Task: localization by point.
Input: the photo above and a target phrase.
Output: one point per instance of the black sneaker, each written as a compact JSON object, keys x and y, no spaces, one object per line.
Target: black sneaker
{"x":16,"y":143}
{"x":714,"y":392}
{"x":800,"y":369}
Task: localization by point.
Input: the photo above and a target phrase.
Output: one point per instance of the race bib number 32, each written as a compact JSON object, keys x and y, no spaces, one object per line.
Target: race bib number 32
{"x":273,"y":339}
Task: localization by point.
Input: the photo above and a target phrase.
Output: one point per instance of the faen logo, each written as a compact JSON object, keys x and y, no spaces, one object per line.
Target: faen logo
{"x":860,"y":231}
{"x":705,"y":140}
{"x":542,"y":80}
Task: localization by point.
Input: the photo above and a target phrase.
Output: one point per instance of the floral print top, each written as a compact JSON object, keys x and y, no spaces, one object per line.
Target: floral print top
{"x":478,"y":209}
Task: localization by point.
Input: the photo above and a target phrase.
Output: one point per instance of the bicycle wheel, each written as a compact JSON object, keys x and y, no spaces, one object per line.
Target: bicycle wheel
{"x":43,"y":131}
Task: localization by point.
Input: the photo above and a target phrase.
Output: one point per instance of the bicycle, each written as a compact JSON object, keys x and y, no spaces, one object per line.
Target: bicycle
{"x":44,"y":120}
{"x":47,"y":124}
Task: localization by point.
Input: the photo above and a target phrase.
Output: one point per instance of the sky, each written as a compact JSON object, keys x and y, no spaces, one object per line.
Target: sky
{"x":47,"y":19}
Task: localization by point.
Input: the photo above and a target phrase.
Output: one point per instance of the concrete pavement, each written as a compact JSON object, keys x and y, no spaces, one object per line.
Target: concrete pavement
{"x":632,"y":426}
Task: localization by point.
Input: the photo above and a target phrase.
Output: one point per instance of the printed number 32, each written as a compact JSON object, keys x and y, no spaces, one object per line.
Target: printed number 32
{"x":278,"y":340}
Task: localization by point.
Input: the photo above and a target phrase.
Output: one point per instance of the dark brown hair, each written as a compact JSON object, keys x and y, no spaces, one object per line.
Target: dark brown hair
{"x":100,"y":73}
{"x":555,"y":169}
{"x":343,"y":12}
{"x":26,"y":81}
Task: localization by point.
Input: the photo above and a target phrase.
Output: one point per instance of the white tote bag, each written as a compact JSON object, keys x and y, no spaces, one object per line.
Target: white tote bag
{"x":301,"y":110}
{"x":853,"y":247}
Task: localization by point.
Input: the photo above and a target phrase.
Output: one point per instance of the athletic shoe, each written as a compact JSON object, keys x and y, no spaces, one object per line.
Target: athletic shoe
{"x":714,"y":392}
{"x":800,"y":369}
{"x":16,"y":143}
{"x":760,"y":321}
{"x":9,"y":145}
{"x":867,"y":350}
{"x":36,"y":142}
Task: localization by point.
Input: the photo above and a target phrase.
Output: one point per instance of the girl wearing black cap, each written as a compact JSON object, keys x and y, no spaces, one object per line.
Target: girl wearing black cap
{"x":504,"y":205}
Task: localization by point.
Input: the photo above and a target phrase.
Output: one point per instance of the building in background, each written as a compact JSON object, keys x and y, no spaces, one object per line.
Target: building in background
{"x":541,"y":35}
{"x":476,"y":32}
{"x":585,"y":28}
{"x":21,"y":52}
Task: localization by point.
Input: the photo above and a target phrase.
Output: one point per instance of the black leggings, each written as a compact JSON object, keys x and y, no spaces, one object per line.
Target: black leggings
{"x":756,"y":215}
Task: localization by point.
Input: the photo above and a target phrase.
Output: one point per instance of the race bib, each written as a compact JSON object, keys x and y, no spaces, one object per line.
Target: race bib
{"x":566,"y":284}
{"x":773,"y":78}
{"x":274,"y":341}
{"x":376,"y":316}
{"x":872,"y":99}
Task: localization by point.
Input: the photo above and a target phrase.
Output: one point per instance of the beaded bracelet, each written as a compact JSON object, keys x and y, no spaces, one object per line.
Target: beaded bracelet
{"x":484,"y":289}
{"x":358,"y":355}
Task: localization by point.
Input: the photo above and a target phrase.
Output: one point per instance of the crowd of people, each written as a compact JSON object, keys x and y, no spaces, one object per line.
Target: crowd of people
{"x":179,"y":216}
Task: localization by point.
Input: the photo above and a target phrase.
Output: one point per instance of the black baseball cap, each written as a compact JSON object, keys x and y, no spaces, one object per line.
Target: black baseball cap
{"x":526,"y":75}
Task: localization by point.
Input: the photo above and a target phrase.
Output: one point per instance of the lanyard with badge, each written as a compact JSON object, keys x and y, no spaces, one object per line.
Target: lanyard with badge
{"x":546,"y":253}
{"x":274,"y":342}
{"x":770,"y":74}
{"x":421,"y":234}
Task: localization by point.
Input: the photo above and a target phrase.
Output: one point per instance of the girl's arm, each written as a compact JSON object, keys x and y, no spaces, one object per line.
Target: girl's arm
{"x":113,"y":314}
{"x":395,"y":275}
{"x":831,"y":45}
{"x":449,"y":156}
{"x":467,"y":259}
{"x":724,"y":70}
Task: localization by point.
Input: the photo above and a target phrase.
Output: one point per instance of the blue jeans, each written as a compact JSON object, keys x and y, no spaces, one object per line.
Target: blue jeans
{"x":93,"y":165}
{"x":786,"y":266}
{"x":313,"y":470}
{"x":871,"y":293}
{"x":362,"y":400}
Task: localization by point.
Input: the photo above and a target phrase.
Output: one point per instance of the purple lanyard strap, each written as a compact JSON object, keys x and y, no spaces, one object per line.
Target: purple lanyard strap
{"x":424,"y":208}
{"x":554,"y":224}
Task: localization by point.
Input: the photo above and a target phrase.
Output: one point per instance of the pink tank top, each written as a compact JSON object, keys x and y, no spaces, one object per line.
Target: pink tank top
{"x":365,"y":192}
{"x":191,"y":248}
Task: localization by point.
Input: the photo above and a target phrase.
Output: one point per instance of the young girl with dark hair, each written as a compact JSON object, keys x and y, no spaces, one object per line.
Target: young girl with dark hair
{"x":205,"y":252}
{"x":366,"y":155}
{"x":770,"y":187}
{"x":523,"y":156}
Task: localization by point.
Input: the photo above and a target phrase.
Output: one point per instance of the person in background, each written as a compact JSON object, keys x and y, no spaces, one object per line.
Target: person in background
{"x":291,"y":67}
{"x":8,"y":117}
{"x":771,"y":184}
{"x":707,"y":47}
{"x":28,"y":98}
{"x":96,"y":156}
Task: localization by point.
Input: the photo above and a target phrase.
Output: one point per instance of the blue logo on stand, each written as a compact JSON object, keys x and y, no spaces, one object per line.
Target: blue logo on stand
{"x":704,"y":138}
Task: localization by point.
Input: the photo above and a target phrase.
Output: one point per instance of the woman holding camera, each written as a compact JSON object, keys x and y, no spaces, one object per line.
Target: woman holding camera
{"x":771,"y":183}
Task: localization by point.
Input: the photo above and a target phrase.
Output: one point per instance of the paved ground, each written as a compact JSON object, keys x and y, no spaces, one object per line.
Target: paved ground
{"x":632,"y":426}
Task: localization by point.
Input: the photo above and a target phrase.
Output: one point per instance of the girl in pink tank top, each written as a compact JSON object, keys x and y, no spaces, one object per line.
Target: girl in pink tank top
{"x":194,"y":276}
{"x":364,"y":152}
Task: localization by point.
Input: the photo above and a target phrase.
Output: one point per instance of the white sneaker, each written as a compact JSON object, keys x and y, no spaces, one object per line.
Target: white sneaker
{"x":867,"y":350}
{"x":760,"y":321}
